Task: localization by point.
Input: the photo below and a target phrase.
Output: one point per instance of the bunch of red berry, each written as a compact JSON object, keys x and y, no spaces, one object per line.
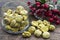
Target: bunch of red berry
{"x":43,"y":10}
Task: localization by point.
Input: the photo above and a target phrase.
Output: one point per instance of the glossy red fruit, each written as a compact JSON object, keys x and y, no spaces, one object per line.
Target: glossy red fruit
{"x":59,"y":13}
{"x":41,"y":6}
{"x":51,"y":19}
{"x":38,"y":3}
{"x":49,"y":13}
{"x":46,"y":14}
{"x":30,"y":7}
{"x":33,"y":9}
{"x":28,"y":3}
{"x":55,"y":11}
{"x":31,"y":13}
{"x":38,"y":14}
{"x":58,"y":22}
{"x":38,"y":11}
{"x":55,"y":17}
{"x":42,"y":10}
{"x":44,"y":17}
{"x":45,"y":6}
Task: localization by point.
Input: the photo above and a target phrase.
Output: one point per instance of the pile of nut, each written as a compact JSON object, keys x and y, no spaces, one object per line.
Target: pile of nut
{"x":39,"y":28}
{"x":16,"y":20}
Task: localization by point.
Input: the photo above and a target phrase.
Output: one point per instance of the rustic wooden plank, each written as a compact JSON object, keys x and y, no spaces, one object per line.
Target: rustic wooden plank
{"x":54,"y":35}
{"x":5,"y":36}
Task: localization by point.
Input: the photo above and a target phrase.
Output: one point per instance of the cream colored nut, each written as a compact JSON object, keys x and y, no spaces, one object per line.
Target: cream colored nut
{"x":34,"y":23}
{"x":31,"y":29}
{"x":41,"y":25}
{"x":24,"y":23}
{"x":9,"y":11}
{"x":26,"y":34}
{"x":37,"y":33}
{"x":23,"y":12}
{"x":8,"y":27}
{"x":11,"y":18}
{"x":13,"y":22}
{"x":14,"y":29}
{"x":16,"y":14}
{"x":48,"y":24}
{"x":7,"y":20}
{"x":46,"y":35}
{"x":20,"y":8}
{"x":40,"y":21}
{"x":17,"y":11}
{"x":21,"y":28}
{"x":44,"y":29}
{"x":52,"y":28}
{"x":45,"y":22}
{"x":19,"y":18}
{"x":25,"y":17}
{"x":17,"y":25}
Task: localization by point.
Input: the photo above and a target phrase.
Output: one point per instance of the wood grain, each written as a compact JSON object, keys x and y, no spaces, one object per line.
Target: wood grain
{"x":5,"y":36}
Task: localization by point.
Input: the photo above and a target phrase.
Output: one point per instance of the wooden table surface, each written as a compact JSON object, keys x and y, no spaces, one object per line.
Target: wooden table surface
{"x":5,"y":36}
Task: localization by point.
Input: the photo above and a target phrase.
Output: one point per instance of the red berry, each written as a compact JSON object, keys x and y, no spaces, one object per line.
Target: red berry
{"x":28,"y":3}
{"x":38,"y":3}
{"x":55,"y":11}
{"x":38,"y":14}
{"x":33,"y":9}
{"x":31,"y":13}
{"x":45,"y":6}
{"x":58,"y":22}
{"x":51,"y":19}
{"x":41,"y":6}
{"x":49,"y":13}
{"x":38,"y":11}
{"x":42,"y":10}
{"x":46,"y":14}
{"x":59,"y":13}
{"x":55,"y":17}
{"x":30,"y":7}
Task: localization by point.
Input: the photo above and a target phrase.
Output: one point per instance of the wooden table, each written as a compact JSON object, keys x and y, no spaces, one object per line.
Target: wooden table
{"x":5,"y":36}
